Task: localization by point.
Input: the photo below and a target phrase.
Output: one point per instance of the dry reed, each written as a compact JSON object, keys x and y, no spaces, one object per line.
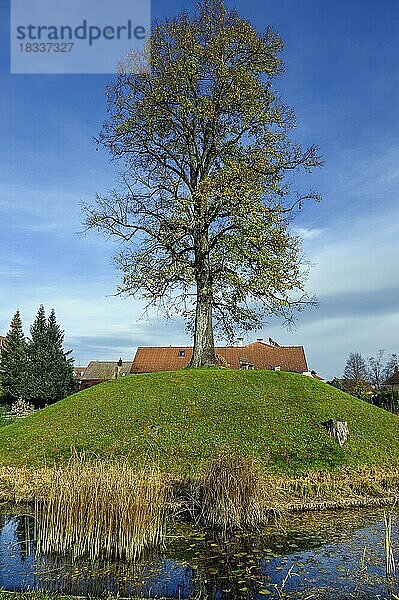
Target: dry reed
{"x":390,"y":566}
{"x":346,"y":487}
{"x":102,"y":509}
{"x":234,"y":492}
{"x":231,"y":494}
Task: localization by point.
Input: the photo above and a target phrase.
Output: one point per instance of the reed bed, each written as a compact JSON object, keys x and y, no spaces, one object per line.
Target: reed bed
{"x":99,"y":509}
{"x":94,"y":507}
{"x":237,"y":493}
{"x":24,"y":484}
{"x":366,"y":486}
{"x":232,"y":494}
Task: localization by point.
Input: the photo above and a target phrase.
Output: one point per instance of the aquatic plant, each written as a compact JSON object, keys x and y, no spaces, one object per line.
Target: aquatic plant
{"x":390,"y":566}
{"x":344,"y":488}
{"x":231,"y":494}
{"x":99,"y":508}
{"x":280,"y":588}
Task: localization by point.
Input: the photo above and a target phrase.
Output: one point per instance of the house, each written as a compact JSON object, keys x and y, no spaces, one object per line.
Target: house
{"x":257,"y":355}
{"x":352,"y":386}
{"x":316,"y":376}
{"x":99,"y":371}
{"x":392,"y":383}
{"x":78,"y":373}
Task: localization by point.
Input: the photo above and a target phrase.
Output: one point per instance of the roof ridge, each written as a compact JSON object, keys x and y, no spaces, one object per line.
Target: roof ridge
{"x":191,"y":347}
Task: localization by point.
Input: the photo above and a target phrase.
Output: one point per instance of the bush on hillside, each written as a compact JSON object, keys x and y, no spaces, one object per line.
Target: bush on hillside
{"x":388,"y":400}
{"x":355,"y":387}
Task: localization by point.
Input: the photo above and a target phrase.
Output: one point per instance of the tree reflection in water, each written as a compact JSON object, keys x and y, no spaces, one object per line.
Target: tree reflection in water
{"x":323,"y":551}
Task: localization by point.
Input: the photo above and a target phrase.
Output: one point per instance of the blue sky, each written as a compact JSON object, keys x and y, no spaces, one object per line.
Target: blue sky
{"x":342,"y":81}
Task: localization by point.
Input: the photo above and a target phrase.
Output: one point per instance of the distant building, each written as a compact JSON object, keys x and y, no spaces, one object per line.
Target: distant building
{"x":257,"y":355}
{"x":352,"y":386}
{"x":392,"y":383}
{"x":99,"y":371}
{"x":79,"y":372}
{"x":316,"y":376}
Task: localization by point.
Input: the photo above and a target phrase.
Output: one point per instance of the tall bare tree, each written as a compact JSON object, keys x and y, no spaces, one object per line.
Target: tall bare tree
{"x":205,"y":202}
{"x":356,"y":368}
{"x":391,"y":367}
{"x":377,"y":368}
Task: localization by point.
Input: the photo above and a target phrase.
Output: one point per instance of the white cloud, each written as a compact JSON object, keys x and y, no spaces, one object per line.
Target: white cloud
{"x":307,"y":233}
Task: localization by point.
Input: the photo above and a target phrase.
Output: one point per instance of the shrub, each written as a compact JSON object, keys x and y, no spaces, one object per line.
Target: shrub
{"x":230,"y":494}
{"x":388,"y":400}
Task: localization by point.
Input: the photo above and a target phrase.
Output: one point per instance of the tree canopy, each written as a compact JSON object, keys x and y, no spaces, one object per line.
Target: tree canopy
{"x":356,"y":368}
{"x":38,"y":369}
{"x":205,"y":202}
{"x":382,"y":367}
{"x":14,"y":361}
{"x":50,"y":367}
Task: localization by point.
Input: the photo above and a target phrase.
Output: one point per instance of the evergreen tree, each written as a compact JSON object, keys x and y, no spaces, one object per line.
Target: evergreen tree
{"x":51,"y":369}
{"x":14,"y":362}
{"x":61,"y":373}
{"x":38,"y":356}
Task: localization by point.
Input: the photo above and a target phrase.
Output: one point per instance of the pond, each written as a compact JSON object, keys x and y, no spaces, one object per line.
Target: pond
{"x":335,"y":554}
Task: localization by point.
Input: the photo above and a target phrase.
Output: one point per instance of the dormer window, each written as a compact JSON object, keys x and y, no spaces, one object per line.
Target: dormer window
{"x":182,"y":353}
{"x":245,"y":364}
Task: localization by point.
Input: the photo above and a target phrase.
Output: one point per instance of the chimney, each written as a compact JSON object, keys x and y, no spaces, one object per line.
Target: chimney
{"x":259,"y":340}
{"x":240,"y":342}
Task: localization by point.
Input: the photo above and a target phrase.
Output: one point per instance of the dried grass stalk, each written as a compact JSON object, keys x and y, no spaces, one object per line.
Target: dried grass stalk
{"x":231,"y":494}
{"x":102,"y":509}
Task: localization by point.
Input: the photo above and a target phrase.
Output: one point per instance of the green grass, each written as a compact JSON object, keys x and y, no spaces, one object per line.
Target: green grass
{"x":182,"y":420}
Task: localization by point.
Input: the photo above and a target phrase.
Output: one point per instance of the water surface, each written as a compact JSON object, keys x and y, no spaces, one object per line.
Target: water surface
{"x":332,"y":554}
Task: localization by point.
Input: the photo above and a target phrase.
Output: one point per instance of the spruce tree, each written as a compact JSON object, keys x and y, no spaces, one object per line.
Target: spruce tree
{"x":14,"y":370}
{"x":61,"y":376}
{"x":38,"y":356}
{"x":51,"y":368}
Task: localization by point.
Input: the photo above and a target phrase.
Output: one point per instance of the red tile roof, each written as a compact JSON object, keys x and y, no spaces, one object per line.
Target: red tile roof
{"x":259,"y":354}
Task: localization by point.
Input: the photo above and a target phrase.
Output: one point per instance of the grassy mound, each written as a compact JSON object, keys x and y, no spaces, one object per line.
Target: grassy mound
{"x":182,"y":420}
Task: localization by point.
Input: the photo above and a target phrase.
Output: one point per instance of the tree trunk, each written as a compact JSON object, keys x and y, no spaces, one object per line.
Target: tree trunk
{"x":204,"y":345}
{"x":338,"y":430}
